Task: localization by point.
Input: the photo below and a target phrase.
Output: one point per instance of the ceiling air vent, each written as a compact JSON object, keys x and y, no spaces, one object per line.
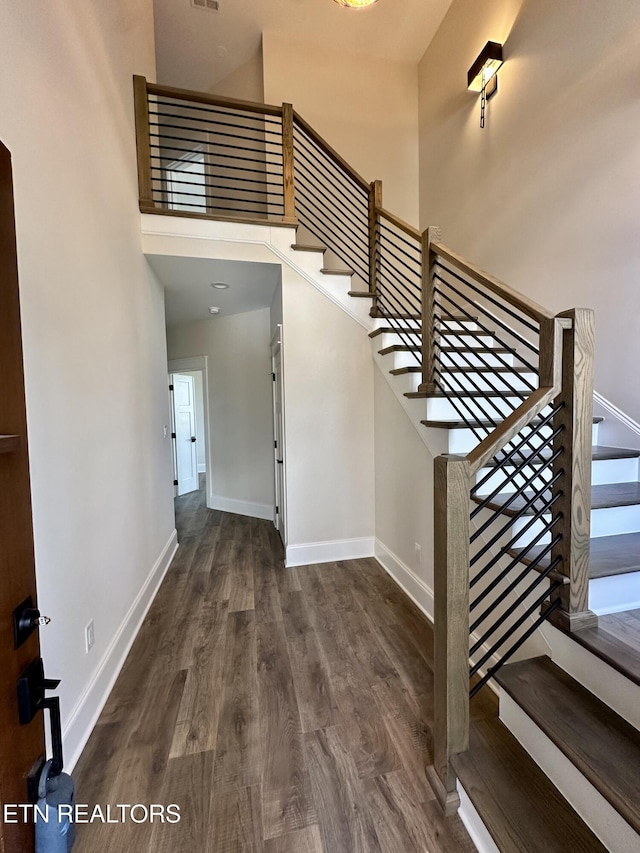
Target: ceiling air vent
{"x":211,"y":5}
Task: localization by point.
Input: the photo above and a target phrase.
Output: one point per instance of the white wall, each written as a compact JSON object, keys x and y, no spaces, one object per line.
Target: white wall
{"x":366,"y":108}
{"x":328,"y":376}
{"x":547,"y":196}
{"x":240,"y":407}
{"x":93,"y":327}
{"x":404,"y":496}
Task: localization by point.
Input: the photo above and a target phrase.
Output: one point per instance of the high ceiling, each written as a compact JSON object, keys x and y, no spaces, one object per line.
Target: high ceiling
{"x":197,"y":48}
{"x":189,"y":294}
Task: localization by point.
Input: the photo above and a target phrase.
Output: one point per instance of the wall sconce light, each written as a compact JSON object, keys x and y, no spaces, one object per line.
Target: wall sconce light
{"x":483,"y":74}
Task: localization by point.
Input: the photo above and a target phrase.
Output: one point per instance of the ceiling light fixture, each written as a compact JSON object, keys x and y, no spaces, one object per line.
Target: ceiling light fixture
{"x":220,"y":285}
{"x":483,"y":74}
{"x":355,"y":4}
{"x":214,"y":310}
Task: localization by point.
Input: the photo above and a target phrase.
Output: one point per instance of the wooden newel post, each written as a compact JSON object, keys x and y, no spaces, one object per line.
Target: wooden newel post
{"x":375,"y":203}
{"x":143,"y":146}
{"x":452,"y":478}
{"x":288,"y":165}
{"x":430,"y":236}
{"x":574,"y":503}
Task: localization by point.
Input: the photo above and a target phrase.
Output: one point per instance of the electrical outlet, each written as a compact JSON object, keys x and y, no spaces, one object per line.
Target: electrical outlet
{"x":418,"y":551}
{"x":89,"y":636}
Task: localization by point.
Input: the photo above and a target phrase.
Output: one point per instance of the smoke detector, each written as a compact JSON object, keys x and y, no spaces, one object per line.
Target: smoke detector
{"x":209,"y":5}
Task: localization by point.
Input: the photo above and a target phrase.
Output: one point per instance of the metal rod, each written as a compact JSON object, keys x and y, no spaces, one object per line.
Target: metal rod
{"x":340,"y":250}
{"x":512,"y":629}
{"x":327,"y":181}
{"x":491,"y":672}
{"x":223,"y":111}
{"x":337,"y":213}
{"x":215,"y":122}
{"x":316,"y":145}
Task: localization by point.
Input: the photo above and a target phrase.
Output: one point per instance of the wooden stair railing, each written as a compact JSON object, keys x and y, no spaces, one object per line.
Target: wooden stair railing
{"x":527,"y":481}
{"x":527,"y":404}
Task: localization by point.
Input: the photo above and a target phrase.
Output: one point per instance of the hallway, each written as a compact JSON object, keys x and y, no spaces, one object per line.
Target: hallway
{"x":283,"y":710}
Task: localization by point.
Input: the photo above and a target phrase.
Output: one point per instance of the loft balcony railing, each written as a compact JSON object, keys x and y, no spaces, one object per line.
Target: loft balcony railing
{"x":512,"y":516}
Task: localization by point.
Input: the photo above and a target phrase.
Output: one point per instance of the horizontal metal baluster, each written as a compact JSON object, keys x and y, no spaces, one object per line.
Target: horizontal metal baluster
{"x":168,"y":160}
{"x":260,"y":202}
{"x":317,"y":157}
{"x":305,"y":136}
{"x":208,"y":208}
{"x":327,"y":180}
{"x":409,"y":279}
{"x":489,"y":298}
{"x":341,"y":249}
{"x":478,"y":432}
{"x":389,"y":235}
{"x":537,"y":496}
{"x":209,"y":122}
{"x":512,"y":332}
{"x":487,"y":500}
{"x":395,"y":300}
{"x":349,"y":208}
{"x":160,"y":174}
{"x":402,"y":291}
{"x":529,"y":567}
{"x":537,"y":580}
{"x":513,"y":628}
{"x":211,"y":141}
{"x":514,"y":648}
{"x":510,"y":369}
{"x":259,"y":187}
{"x":332,"y":214}
{"x":217,"y":154}
{"x":325,"y":233}
{"x":229,"y":112}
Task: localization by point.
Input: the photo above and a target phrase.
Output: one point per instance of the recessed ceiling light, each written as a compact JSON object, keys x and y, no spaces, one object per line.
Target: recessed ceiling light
{"x":220,"y":285}
{"x":214,"y":310}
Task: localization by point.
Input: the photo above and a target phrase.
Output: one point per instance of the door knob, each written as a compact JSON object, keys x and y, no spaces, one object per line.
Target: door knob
{"x":26,"y":618}
{"x":193,"y":438}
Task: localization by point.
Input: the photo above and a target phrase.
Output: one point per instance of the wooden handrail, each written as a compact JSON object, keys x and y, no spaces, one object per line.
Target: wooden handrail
{"x":213,"y":100}
{"x":331,"y":152}
{"x":517,"y":300}
{"x":399,"y":223}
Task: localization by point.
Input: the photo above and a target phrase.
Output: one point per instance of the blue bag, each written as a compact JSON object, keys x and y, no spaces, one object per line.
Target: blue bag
{"x":57,"y":833}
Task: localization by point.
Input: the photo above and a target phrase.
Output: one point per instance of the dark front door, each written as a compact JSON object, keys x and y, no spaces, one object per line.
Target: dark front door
{"x":20,"y":746}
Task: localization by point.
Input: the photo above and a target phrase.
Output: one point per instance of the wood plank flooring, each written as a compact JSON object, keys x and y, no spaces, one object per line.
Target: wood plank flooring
{"x":283,"y":710}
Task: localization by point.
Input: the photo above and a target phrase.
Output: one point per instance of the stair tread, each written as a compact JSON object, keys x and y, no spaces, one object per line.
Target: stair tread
{"x":609,"y":555}
{"x":479,"y":369}
{"x":602,"y":497}
{"x":362,"y":293}
{"x":616,"y":641}
{"x":394,"y":330}
{"x":519,"y":805}
{"x":399,"y":348}
{"x":600,"y":743}
{"x":460,"y":424}
{"x":329,"y":271}
{"x":305,"y":247}
{"x":398,"y":371}
{"x":599,"y":453}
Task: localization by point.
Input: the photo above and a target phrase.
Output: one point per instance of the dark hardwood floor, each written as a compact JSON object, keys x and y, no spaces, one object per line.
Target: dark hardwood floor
{"x":283,"y":710}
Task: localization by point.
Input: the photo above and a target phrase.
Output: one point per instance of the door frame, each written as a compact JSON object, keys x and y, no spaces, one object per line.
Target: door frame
{"x":194,"y":364}
{"x":277,"y":343}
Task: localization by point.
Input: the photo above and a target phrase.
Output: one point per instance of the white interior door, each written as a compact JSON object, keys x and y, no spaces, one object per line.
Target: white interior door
{"x":278,"y":428}
{"x":184,"y":419}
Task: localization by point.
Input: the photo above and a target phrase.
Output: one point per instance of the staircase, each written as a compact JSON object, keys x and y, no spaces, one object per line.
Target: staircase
{"x":537,"y":524}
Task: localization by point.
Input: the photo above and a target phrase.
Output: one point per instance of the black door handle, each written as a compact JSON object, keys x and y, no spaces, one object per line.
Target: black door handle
{"x":193,"y":438}
{"x":31,"y":699}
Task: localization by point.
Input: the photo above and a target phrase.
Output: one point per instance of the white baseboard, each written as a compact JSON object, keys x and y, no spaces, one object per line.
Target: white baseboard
{"x":89,"y":707}
{"x":202,"y":467}
{"x":329,"y":552}
{"x":417,"y":590}
{"x":251,"y":508}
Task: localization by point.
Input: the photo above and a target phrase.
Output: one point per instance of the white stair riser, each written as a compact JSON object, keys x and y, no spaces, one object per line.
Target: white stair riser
{"x":500,"y":482}
{"x":404,"y":359}
{"x":458,"y":339}
{"x":464,"y":440}
{"x":614,"y":594}
{"x":615,"y":520}
{"x":457,"y":382}
{"x":383,"y":322}
{"x":605,"y":471}
{"x":391,"y":339}
{"x":442,"y":409}
{"x":471,"y":359}
{"x":458,"y":325}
